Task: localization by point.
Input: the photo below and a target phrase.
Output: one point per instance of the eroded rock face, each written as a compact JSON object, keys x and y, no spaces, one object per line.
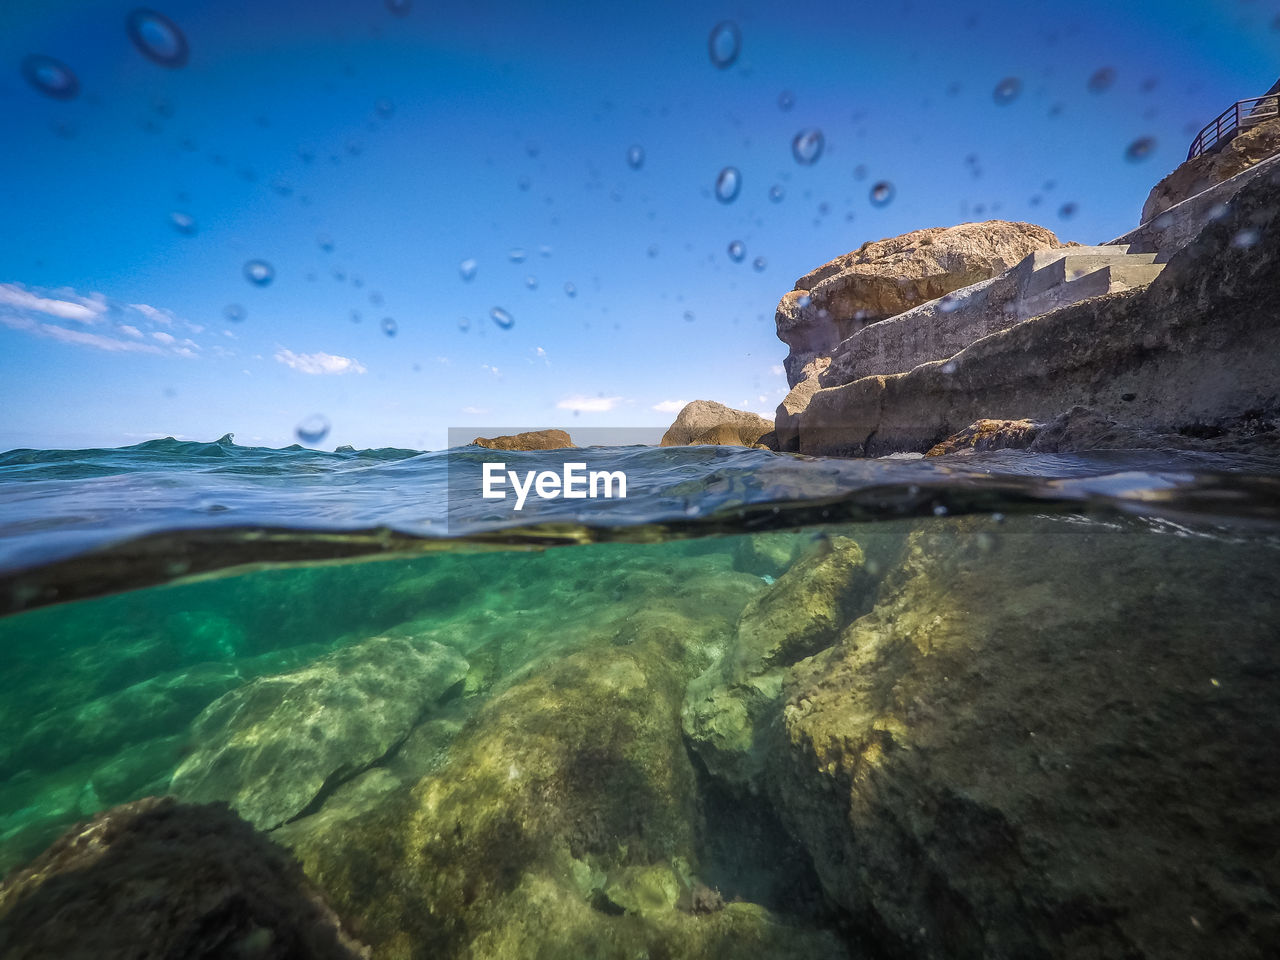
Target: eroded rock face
{"x":530,"y":440}
{"x":1200,"y":173}
{"x":884,"y":278}
{"x":157,"y":879}
{"x":987,"y":766}
{"x":705,"y":421}
{"x":271,"y":747}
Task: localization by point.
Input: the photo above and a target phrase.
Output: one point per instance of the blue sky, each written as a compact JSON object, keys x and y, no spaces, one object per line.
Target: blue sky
{"x":409,"y":144}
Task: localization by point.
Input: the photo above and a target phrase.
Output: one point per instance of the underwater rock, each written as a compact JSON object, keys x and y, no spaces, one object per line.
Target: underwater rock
{"x":530,"y":440}
{"x":157,"y":879}
{"x":886,"y":277}
{"x":271,"y":747}
{"x":1189,"y":353}
{"x":988,"y":435}
{"x":562,"y":821}
{"x":983,"y":766}
{"x":729,"y":710}
{"x":705,"y":421}
{"x":768,"y":554}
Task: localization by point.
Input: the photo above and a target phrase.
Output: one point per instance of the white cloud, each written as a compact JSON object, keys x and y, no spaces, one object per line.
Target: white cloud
{"x":154,"y":314}
{"x":160,"y":336}
{"x":539,"y":351}
{"x":670,"y":406}
{"x":130,"y":331}
{"x":588,"y":404}
{"x":777,"y":370}
{"x":474,"y":410}
{"x":17,"y":297}
{"x":319,"y":363}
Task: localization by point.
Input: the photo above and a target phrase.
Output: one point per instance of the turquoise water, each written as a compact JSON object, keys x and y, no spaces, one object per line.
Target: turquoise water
{"x":1001,"y":706}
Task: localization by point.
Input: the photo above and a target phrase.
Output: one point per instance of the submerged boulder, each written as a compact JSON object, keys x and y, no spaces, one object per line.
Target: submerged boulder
{"x":1048,"y":739}
{"x":157,"y":879}
{"x":271,"y":747}
{"x":884,"y":278}
{"x":705,"y":421}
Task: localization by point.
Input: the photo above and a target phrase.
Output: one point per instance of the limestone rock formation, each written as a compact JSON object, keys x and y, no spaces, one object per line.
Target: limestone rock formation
{"x":984,"y":766}
{"x":883,"y":278}
{"x":705,"y":421}
{"x":1187,"y":354}
{"x":1200,"y":173}
{"x":156,"y":879}
{"x":273,"y":746}
{"x":530,"y":440}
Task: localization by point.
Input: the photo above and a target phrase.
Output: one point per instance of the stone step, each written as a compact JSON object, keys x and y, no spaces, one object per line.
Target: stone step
{"x":1122,"y":274}
{"x":1077,"y":264}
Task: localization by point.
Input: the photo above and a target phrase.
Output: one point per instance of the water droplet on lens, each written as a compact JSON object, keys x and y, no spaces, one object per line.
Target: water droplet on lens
{"x":652,"y":251}
{"x":259,"y":272}
{"x":1102,"y":80}
{"x":776,"y":193}
{"x":467,"y":269}
{"x":234,"y":312}
{"x":728,"y":183}
{"x":1140,"y":149}
{"x":806,"y":146}
{"x":356,"y":316}
{"x":1067,"y":211}
{"x":1007,"y":91}
{"x":688,"y":316}
{"x":531,"y":282}
{"x":376,"y":298}
{"x":389,"y":326}
{"x":384,"y":107}
{"x":502,"y":318}
{"x":803,"y":301}
{"x":724,"y":44}
{"x":51,"y":77}
{"x":882,"y":194}
{"x":313,"y":429}
{"x":325,"y":242}
{"x":635,"y":156}
{"x":524,"y":183}
{"x":400,"y":8}
{"x":157,"y":38}
{"x":759,"y":263}
{"x":786,"y":100}
{"x":570,"y":290}
{"x":464,"y":324}
{"x":516,"y":255}
{"x":737,"y":250}
{"x":1245,"y":239}
{"x":184,"y":223}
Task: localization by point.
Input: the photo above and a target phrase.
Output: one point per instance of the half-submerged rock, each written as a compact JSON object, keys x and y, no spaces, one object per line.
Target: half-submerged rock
{"x":530,"y":440}
{"x":705,"y":421}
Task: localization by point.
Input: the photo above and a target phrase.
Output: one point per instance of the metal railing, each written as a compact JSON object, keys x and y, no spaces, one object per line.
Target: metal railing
{"x":1237,"y":117}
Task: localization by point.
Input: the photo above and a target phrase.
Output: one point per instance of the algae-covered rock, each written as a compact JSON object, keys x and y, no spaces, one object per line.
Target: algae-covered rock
{"x":272,"y":746}
{"x":1048,"y":739}
{"x":728,"y":711}
{"x":156,"y":879}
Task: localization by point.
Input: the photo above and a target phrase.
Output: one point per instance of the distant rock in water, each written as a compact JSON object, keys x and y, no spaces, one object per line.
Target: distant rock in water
{"x":705,"y":421}
{"x":158,"y":879}
{"x":532,"y":440}
{"x":886,"y":277}
{"x":273,"y":746}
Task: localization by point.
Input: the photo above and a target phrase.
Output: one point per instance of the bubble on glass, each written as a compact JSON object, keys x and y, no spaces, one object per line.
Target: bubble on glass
{"x":1067,"y":210}
{"x":635,"y":156}
{"x":737,"y":250}
{"x":948,"y":304}
{"x":313,"y":429}
{"x":724,"y":44}
{"x":569,"y":289}
{"x":464,"y":324}
{"x":728,"y":183}
{"x":51,"y":77}
{"x":1007,"y":91}
{"x":1140,"y":149}
{"x":803,"y":301}
{"x":259,"y":272}
{"x":157,"y":38}
{"x":882,"y":194}
{"x":544,"y":251}
{"x":516,"y":254}
{"x":1101,"y":80}
{"x":389,"y":326}
{"x":776,"y":193}
{"x":502,"y":318}
{"x":184,"y":223}
{"x":531,"y":282}
{"x":786,"y":100}
{"x":759,"y":263}
{"x":234,"y":312}
{"x":689,"y":317}
{"x":399,"y":8}
{"x":806,"y":146}
{"x":1245,"y":239}
{"x":383,"y":107}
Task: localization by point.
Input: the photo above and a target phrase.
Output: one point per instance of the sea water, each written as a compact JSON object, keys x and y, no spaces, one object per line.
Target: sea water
{"x":990,"y":705}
